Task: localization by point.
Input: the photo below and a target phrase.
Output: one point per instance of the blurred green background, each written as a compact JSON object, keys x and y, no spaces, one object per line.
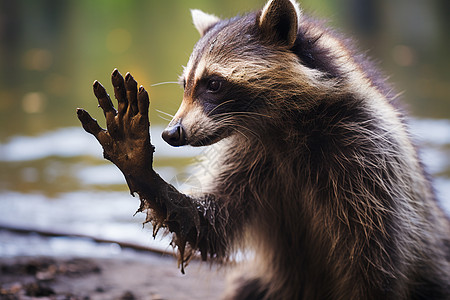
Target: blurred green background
{"x":51,"y":51}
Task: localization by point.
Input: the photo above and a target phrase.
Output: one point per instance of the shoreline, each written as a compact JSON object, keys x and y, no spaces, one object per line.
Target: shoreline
{"x":123,"y":274}
{"x":147,"y":276}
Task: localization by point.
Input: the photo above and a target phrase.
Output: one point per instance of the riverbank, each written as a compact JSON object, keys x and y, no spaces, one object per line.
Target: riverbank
{"x":136,"y":275}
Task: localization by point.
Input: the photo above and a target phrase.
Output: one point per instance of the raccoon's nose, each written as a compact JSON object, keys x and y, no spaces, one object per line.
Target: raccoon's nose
{"x":174,"y":135}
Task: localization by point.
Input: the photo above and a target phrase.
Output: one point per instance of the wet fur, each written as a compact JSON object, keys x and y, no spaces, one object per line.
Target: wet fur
{"x":317,"y":174}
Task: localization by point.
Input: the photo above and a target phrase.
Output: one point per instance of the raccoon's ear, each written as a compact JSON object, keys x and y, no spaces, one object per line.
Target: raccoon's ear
{"x":279,"y":21}
{"x":203,"y":21}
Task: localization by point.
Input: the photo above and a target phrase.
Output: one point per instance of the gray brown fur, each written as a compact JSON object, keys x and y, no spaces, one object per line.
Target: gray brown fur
{"x":318,"y":176}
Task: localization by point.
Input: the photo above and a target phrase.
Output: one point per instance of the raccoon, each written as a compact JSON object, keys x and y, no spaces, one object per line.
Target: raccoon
{"x":318,"y":174}
{"x":315,"y":171}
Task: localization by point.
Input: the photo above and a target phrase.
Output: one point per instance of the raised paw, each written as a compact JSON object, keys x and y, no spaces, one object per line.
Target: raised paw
{"x":126,"y":140}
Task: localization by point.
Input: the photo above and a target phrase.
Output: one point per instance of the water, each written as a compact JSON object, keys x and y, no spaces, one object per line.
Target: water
{"x":67,"y":187}
{"x":52,"y":174}
{"x":96,"y":202}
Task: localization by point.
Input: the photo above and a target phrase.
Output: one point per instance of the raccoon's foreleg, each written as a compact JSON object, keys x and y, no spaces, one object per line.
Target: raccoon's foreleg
{"x":196,"y":223}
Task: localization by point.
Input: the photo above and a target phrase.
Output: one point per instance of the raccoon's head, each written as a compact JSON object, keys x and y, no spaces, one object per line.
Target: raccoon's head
{"x":236,"y":70}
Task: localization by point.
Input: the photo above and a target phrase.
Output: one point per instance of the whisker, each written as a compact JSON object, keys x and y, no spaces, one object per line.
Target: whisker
{"x":243,"y":113}
{"x":166,"y":82}
{"x":228,"y":121}
{"x":242,"y":133}
{"x":164,"y":118}
{"x":250,"y":131}
{"x":167,"y":114}
{"x":231,"y":122}
{"x":223,"y":103}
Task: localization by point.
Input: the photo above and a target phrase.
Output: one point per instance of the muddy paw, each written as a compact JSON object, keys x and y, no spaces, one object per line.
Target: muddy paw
{"x":126,"y":140}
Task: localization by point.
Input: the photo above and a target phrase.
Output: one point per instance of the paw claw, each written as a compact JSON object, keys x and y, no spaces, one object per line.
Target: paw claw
{"x":117,"y":79}
{"x":143,"y":101}
{"x":99,"y":90}
{"x":82,"y":115}
{"x":130,"y":83}
{"x":89,"y":124}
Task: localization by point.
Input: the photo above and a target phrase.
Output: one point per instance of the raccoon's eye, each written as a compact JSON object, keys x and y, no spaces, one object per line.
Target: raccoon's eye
{"x":214,"y":86}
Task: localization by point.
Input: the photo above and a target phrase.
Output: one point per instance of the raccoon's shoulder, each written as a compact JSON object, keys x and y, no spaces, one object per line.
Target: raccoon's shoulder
{"x":321,"y":47}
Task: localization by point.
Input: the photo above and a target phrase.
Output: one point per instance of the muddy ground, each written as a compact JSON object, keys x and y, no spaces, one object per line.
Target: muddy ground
{"x":143,"y":276}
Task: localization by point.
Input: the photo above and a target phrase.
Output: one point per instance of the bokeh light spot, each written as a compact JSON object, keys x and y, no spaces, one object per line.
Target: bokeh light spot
{"x":34,"y":102}
{"x":37,"y":59}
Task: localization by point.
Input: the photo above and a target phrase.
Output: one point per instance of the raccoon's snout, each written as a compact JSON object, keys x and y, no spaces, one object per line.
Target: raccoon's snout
{"x":175,"y":135}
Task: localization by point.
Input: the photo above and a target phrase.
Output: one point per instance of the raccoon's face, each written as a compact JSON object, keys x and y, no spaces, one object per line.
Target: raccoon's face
{"x":228,"y":77}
